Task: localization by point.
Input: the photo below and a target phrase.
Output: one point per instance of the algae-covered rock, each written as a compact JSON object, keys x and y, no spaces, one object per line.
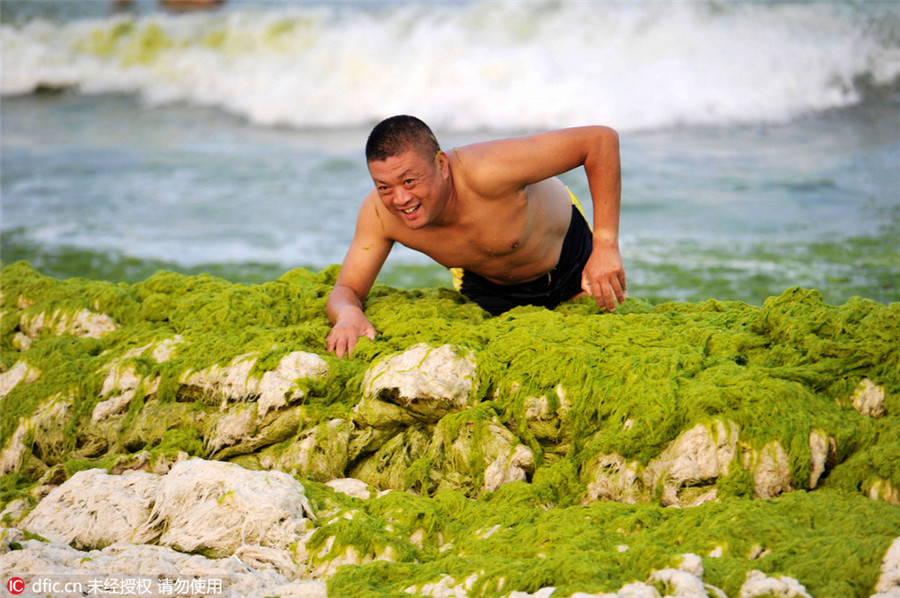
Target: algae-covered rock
{"x":695,"y":459}
{"x":613,"y":478}
{"x":868,"y":398}
{"x":427,"y":382}
{"x":81,"y":323}
{"x":539,"y":452}
{"x":320,"y":453}
{"x":272,"y":390}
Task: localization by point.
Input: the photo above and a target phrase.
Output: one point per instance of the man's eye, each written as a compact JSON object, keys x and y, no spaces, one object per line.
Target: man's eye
{"x":408,"y":182}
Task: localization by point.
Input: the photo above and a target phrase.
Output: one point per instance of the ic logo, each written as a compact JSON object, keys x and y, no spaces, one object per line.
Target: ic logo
{"x":15,"y":585}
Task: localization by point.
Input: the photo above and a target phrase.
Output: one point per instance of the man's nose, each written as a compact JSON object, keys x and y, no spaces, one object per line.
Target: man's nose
{"x":402,"y":197}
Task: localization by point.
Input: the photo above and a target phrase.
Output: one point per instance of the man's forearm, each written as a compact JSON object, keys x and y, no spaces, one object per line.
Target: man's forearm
{"x":604,"y":173}
{"x":340,"y":300}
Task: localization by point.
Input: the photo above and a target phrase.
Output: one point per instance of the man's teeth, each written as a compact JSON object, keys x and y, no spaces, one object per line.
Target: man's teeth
{"x":410,"y":210}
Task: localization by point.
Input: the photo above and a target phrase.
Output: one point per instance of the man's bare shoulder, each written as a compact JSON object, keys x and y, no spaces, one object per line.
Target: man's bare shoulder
{"x":375,"y":219}
{"x":480,"y":169}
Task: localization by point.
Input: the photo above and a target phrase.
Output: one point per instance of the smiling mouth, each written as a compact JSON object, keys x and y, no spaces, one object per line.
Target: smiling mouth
{"x":412,"y":210}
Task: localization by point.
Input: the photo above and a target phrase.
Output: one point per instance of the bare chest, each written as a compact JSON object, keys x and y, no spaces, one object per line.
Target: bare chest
{"x":507,"y":242}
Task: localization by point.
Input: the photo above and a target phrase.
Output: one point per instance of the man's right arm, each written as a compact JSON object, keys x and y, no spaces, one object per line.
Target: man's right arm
{"x":365,"y":257}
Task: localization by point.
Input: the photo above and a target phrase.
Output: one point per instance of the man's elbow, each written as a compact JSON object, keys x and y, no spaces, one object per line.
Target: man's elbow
{"x":607,"y":137}
{"x":603,"y":148}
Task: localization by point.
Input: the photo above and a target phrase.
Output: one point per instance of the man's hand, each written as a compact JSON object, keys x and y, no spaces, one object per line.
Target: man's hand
{"x":603,"y":277}
{"x":352,"y":325}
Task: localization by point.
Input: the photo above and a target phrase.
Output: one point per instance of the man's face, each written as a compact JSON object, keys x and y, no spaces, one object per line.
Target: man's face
{"x":410,"y":186}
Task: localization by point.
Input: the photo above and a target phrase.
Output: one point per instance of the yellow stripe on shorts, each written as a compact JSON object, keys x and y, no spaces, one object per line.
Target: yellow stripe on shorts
{"x":577,"y":204}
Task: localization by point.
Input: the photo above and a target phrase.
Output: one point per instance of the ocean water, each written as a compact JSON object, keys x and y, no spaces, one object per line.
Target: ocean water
{"x":760,"y":140}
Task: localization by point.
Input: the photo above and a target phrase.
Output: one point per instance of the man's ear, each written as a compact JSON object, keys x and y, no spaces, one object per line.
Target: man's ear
{"x":442,"y":162}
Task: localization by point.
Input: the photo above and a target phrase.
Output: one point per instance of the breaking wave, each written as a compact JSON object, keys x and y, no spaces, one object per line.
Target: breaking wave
{"x":471,"y":66}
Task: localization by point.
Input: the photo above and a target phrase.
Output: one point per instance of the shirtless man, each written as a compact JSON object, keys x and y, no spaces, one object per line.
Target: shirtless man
{"x":494,"y":210}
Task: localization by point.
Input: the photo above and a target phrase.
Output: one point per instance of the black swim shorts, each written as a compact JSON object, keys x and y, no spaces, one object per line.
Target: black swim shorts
{"x":551,"y":289}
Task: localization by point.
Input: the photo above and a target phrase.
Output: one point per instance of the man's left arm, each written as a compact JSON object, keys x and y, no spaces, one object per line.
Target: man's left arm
{"x":604,"y":275}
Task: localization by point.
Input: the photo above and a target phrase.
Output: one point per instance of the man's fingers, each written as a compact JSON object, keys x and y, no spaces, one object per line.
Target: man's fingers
{"x":342,"y":342}
{"x":338,"y":343}
{"x":609,"y":297}
{"x":618,"y":287}
{"x":607,"y":293}
{"x":586,"y":286}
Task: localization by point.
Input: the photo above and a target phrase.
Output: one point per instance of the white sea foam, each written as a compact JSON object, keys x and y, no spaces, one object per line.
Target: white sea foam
{"x":475,"y":65}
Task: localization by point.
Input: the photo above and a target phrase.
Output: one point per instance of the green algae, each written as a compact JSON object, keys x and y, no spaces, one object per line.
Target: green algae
{"x":662,"y":369}
{"x":579,"y":548}
{"x":131,"y":43}
{"x":629,"y":383}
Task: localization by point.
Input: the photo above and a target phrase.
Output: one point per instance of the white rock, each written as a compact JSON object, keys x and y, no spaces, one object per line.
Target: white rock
{"x":326,"y":561}
{"x":698,"y":455}
{"x":868,"y":398}
{"x":122,"y":562}
{"x":83,"y":323}
{"x":445,"y":587}
{"x":236,"y":425}
{"x":93,"y":509}
{"x":638,"y":589}
{"x":20,"y":372}
{"x":165,"y":349}
{"x":119,"y":378}
{"x":771,"y":470}
{"x":272,"y":390}
{"x":11,"y":535}
{"x":122,"y":380}
{"x":693,"y":564}
{"x":509,"y":468}
{"x":112,"y":406}
{"x":542,"y":593}
{"x":216,"y":507}
{"x":352,"y":487}
{"x":318,"y":453}
{"x":15,"y":510}
{"x":613,"y":478}
{"x":881,"y":489}
{"x":818,"y":448}
{"x":51,"y":414}
{"x":22,"y":342}
{"x":276,"y":384}
{"x":12,"y":455}
{"x":227,"y":383}
{"x":679,"y":584}
{"x":544,"y":420}
{"x":425,"y":381}
{"x":890,"y":569}
{"x":757,"y":584}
